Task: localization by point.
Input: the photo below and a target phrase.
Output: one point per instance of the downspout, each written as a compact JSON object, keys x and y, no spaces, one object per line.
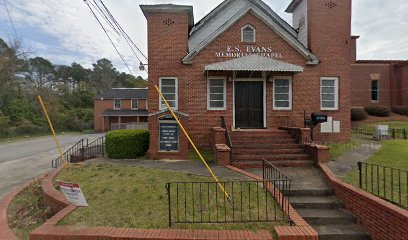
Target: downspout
{"x":391,"y":83}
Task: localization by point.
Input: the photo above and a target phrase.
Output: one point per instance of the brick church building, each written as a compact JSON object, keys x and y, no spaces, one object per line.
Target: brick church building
{"x":246,"y":64}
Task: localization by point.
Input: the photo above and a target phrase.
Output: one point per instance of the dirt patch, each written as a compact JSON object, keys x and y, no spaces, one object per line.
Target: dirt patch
{"x":27,"y":211}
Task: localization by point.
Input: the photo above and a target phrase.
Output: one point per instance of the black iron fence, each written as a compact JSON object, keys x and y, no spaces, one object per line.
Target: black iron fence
{"x":81,"y":151}
{"x":391,"y":133}
{"x":204,"y":202}
{"x":388,"y":183}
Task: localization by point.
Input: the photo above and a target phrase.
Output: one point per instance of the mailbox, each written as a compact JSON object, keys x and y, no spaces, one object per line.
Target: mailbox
{"x":318,"y":118}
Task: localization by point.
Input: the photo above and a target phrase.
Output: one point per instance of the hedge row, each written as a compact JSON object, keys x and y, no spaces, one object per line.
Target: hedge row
{"x":127,"y":144}
{"x":358,"y":114}
{"x":379,"y":111}
{"x":401,"y":110}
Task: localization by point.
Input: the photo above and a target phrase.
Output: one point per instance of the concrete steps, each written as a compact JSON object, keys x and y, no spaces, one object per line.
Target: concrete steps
{"x":277,"y":163}
{"x":269,"y":157}
{"x":277,"y":146}
{"x":314,"y":202}
{"x":326,"y":216}
{"x":251,"y":145}
{"x":265,"y":141}
{"x":341,"y":232}
{"x":264,"y":151}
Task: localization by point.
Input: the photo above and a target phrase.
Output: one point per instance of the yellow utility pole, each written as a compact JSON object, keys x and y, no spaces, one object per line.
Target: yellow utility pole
{"x":52,"y":131}
{"x":192,"y":144}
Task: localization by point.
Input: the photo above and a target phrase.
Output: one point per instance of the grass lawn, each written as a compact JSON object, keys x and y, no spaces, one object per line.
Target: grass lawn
{"x":27,"y":212}
{"x":338,"y":149}
{"x":393,"y":153}
{"x":134,"y":197}
{"x":208,"y":155}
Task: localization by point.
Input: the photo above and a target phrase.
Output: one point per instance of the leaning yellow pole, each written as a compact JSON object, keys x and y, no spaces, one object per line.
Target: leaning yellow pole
{"x":192,"y":144}
{"x":52,"y":130}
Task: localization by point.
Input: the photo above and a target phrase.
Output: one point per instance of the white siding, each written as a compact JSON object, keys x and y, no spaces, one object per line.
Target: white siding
{"x":300,"y":15}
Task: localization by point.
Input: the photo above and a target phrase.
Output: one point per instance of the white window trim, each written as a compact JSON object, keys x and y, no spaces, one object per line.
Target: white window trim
{"x":242,"y":34}
{"x":208,"y":93}
{"x":137,"y":104}
{"x":114,"y":105}
{"x":290,"y":92}
{"x":336,"y":93}
{"x":176,"y":97}
{"x":378,"y":91}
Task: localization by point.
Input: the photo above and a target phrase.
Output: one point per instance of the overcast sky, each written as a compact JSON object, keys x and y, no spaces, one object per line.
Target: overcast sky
{"x":65,"y":31}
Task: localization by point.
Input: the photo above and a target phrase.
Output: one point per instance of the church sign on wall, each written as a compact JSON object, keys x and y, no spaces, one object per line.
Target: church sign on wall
{"x":242,"y":51}
{"x":168,"y":136}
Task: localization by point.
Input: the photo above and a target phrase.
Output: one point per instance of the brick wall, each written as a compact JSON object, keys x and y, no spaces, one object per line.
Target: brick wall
{"x":362,"y":74}
{"x":101,"y":106}
{"x":381,"y":219}
{"x":168,"y":45}
{"x":53,"y":198}
{"x":142,"y":104}
{"x":404,"y":84}
{"x":330,"y":40}
{"x":154,"y":139}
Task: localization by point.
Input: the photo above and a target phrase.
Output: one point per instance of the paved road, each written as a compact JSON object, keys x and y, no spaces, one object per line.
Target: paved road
{"x":23,"y":160}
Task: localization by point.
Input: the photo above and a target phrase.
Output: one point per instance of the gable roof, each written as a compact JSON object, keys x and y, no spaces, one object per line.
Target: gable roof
{"x":124,"y":93}
{"x":229,"y":12}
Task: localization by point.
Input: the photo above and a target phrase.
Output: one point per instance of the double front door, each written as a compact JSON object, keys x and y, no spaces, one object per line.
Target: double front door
{"x":249,"y":104}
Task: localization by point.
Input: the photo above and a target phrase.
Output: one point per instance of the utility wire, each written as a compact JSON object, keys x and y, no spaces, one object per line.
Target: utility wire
{"x":117,"y":51}
{"x":100,"y":11}
{"x":11,"y":21}
{"x":124,"y":34}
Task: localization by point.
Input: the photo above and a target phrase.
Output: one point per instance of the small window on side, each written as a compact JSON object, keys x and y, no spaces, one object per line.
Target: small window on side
{"x":116,"y":104}
{"x":329,"y":93}
{"x":169,"y":89}
{"x":248,"y":34}
{"x":374,"y":91}
{"x":134,"y":104}
{"x":216,"y":94}
{"x":282,"y":93}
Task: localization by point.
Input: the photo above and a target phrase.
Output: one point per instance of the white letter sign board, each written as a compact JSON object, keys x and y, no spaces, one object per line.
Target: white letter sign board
{"x":73,"y":194}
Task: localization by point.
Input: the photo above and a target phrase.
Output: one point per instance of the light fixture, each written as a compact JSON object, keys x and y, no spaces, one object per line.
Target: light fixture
{"x":142,"y":66}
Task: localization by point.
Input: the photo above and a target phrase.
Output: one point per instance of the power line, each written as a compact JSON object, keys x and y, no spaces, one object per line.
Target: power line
{"x":124,"y":34}
{"x":11,"y":21}
{"x":117,"y":51}
{"x":99,"y":10}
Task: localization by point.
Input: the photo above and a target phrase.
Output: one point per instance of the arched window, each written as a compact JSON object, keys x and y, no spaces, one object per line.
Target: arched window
{"x":248,"y":34}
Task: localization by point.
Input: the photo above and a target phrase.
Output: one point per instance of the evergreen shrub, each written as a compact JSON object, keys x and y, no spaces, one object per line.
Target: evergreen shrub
{"x":127,"y":144}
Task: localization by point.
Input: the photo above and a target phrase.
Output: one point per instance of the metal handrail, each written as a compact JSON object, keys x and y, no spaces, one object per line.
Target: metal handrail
{"x":281,"y":185}
{"x":82,"y":149}
{"x":384,"y":182}
{"x":294,"y":131}
{"x":227,"y":134}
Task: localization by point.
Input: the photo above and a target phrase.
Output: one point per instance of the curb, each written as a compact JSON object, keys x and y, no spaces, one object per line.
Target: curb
{"x":5,"y":231}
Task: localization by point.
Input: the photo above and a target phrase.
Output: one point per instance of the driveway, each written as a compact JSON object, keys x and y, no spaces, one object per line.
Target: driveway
{"x":23,"y":160}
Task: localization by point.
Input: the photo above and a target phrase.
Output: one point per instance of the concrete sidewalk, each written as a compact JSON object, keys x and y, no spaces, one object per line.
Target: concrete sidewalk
{"x":195,"y":167}
{"x":348,"y":161}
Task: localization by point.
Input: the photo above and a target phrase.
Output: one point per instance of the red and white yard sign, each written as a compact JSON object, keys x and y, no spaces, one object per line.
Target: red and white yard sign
{"x":73,"y":194}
